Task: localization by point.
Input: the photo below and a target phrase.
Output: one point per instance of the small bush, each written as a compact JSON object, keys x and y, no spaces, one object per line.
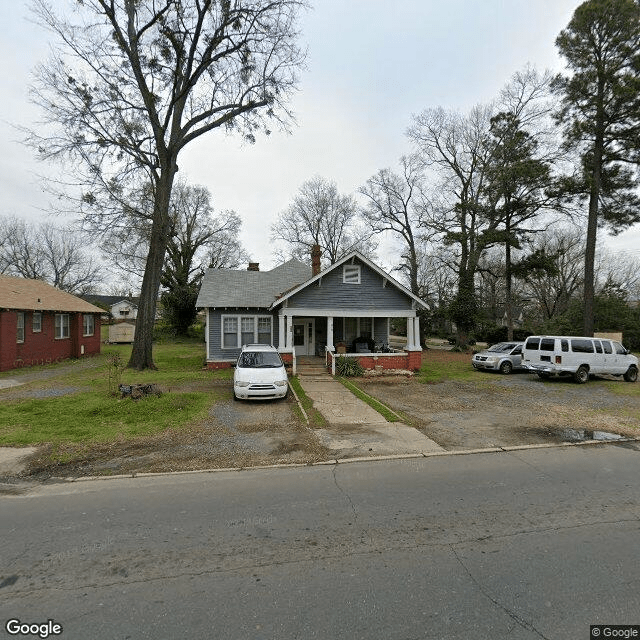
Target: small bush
{"x":348,"y":367}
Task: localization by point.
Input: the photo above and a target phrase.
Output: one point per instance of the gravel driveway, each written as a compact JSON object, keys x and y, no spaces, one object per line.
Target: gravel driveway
{"x":512,"y":410}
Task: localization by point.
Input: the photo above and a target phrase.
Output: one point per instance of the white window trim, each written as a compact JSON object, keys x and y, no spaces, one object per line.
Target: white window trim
{"x":93,"y":330}
{"x":238,"y":317}
{"x":353,"y":269}
{"x":20,"y":326}
{"x":59,"y":329}
{"x":33,"y":327}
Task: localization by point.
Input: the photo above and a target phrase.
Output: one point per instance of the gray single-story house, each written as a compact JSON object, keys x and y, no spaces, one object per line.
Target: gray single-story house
{"x":305,"y":311}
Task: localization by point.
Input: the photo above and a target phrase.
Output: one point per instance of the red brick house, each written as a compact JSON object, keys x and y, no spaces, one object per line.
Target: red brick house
{"x":40,"y":324}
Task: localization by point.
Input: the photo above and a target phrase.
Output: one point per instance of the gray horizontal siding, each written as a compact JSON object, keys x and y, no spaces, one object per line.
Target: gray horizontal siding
{"x":370,"y":294}
{"x":216,"y":352}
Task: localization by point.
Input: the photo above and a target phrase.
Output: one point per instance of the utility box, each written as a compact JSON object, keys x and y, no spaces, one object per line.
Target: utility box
{"x":122,"y":332}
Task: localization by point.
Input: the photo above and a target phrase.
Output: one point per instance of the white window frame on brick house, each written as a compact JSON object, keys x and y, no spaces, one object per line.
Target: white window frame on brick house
{"x":36,"y":326}
{"x":20,"y":327}
{"x":237,"y":321}
{"x":88,"y":324}
{"x":62,"y":326}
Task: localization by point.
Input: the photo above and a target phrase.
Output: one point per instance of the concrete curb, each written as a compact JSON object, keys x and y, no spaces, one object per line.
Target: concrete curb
{"x":340,"y":461}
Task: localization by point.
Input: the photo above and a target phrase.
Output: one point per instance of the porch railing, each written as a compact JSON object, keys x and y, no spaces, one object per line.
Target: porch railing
{"x":332,"y":356}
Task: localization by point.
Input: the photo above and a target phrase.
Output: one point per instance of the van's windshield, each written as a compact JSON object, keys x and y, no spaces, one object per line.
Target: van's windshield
{"x":259,"y":360}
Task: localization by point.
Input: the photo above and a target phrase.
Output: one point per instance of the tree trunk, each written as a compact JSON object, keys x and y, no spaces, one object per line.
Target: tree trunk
{"x":507,"y":277}
{"x":142,"y":353}
{"x":592,"y":224}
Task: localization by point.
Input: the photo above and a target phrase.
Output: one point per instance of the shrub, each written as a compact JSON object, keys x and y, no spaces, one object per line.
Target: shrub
{"x":347,"y":367}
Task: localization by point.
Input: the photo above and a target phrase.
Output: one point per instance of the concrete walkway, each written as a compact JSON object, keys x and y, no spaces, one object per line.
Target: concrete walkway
{"x":355,"y":428}
{"x":8,"y":383}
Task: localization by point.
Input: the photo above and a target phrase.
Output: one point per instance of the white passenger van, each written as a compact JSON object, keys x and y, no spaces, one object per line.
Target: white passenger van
{"x":578,"y":357}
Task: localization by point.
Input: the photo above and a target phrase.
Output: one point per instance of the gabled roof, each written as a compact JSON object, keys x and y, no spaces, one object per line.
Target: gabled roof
{"x":224,"y":288}
{"x":343,"y":260}
{"x":109,"y":300}
{"x":35,"y":295}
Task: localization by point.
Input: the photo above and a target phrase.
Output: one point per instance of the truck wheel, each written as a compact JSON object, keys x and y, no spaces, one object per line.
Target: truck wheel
{"x":631,"y":375}
{"x":506,"y":367}
{"x":581,"y":375}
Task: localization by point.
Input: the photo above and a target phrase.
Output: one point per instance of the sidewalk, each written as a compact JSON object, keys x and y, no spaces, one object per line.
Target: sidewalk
{"x":355,"y":428}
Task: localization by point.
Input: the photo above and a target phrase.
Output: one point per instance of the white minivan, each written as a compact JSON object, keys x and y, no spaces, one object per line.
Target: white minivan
{"x":259,"y":374}
{"x":578,"y":357}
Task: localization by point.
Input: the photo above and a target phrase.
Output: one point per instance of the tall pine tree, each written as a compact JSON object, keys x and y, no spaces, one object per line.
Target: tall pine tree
{"x":600,"y":113}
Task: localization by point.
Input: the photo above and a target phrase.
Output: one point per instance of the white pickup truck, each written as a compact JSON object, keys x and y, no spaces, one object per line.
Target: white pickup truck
{"x":579,"y":357}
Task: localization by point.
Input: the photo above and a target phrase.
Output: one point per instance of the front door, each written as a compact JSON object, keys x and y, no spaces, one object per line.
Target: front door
{"x":304,"y":337}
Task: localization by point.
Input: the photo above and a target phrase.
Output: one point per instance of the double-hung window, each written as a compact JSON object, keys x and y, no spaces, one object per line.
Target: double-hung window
{"x":62,"y":326}
{"x":248,"y":330}
{"x":88,"y":326}
{"x":264,"y":330}
{"x":242,"y":329}
{"x":20,"y":327}
{"x":36,"y":322}
{"x":230,"y":332}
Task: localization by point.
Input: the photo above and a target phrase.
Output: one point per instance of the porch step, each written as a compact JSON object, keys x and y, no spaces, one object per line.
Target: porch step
{"x":312,"y":370}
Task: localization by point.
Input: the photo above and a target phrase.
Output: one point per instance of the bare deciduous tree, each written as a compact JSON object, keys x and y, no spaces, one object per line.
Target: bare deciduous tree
{"x":45,"y":252}
{"x":553,"y":290}
{"x":132,"y":84}
{"x":457,"y":148}
{"x":320,"y":215}
{"x":394,"y":203}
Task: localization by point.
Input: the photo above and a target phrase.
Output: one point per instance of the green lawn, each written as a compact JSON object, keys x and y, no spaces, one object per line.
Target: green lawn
{"x":91,"y":413}
{"x":438,"y":366}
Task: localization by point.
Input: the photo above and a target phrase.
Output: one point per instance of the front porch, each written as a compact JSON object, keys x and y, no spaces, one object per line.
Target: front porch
{"x":312,"y":334}
{"x":319,"y":366}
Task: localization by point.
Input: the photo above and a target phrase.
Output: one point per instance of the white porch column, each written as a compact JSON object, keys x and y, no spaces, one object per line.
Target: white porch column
{"x":410,"y":339}
{"x":282,"y":341}
{"x":416,"y":332}
{"x":330,"y":334}
{"x":289,"y":332}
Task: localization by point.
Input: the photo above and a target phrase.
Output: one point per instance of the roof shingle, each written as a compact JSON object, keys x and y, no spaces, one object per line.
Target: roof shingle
{"x":35,"y":295}
{"x":224,"y":288}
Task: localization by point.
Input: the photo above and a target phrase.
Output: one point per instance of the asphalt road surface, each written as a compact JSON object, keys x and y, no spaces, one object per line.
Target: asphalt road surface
{"x":522,"y":545}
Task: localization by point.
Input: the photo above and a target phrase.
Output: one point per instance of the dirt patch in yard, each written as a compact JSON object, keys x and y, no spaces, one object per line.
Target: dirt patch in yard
{"x":470,"y":410}
{"x":499,"y":411}
{"x":233,"y":435}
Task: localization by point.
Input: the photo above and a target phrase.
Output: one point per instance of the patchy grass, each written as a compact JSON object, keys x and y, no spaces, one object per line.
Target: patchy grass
{"x":439,"y":365}
{"x":627,"y":389}
{"x":316,"y":419}
{"x":376,"y":405}
{"x":76,"y":406}
{"x":92,"y":416}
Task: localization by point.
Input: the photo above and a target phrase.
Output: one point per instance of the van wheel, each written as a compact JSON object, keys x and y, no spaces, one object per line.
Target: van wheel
{"x":631,"y":375}
{"x":235,"y":397}
{"x":506,"y":367}
{"x":581,"y":375}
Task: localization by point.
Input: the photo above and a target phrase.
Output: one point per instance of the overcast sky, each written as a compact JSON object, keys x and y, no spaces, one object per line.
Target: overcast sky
{"x":371,"y":65}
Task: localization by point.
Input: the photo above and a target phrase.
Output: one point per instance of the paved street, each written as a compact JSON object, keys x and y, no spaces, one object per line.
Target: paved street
{"x":521,"y":545}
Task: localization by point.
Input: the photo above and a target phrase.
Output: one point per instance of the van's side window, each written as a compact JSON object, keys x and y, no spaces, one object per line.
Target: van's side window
{"x":532,"y":343}
{"x":582,"y":346}
{"x":620,"y":350}
{"x":547,"y":344}
{"x":598,"y":346}
{"x":564,"y":345}
{"x":607,"y":346}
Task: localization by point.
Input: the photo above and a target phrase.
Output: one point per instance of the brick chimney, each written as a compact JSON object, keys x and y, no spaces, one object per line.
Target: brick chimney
{"x":253,"y":266}
{"x":316,"y":252}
